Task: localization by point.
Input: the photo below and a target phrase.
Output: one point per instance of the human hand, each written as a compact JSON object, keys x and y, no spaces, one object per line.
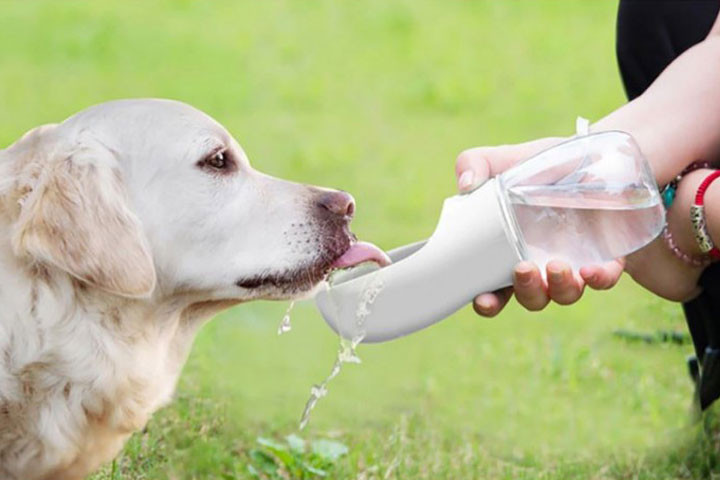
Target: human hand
{"x":563,"y":286}
{"x":656,"y":267}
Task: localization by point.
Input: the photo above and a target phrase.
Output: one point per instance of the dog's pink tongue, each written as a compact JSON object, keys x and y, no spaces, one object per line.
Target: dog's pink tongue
{"x":361,"y":252}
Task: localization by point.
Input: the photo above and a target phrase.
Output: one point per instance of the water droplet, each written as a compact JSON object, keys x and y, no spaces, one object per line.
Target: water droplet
{"x":285,"y":325}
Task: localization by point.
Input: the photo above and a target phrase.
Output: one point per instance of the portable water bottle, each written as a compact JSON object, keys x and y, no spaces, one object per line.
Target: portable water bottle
{"x":588,"y":200}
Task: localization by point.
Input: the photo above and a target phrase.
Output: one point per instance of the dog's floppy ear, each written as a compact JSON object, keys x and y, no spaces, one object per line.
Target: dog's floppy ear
{"x":75,"y":216}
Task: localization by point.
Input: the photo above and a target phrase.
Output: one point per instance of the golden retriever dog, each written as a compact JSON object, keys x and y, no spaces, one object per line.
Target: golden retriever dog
{"x":123,"y":229}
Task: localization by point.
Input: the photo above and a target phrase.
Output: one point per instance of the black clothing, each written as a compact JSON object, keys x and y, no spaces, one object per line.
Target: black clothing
{"x":650,"y":35}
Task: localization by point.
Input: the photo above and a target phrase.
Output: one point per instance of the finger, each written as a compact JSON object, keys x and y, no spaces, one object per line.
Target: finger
{"x":490,"y":304}
{"x":529,"y":287}
{"x":475,"y":165}
{"x":602,"y":277}
{"x":472,"y":167}
{"x":563,"y":287}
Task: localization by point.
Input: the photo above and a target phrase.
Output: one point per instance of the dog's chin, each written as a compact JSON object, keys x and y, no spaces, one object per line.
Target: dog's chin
{"x":304,"y":280}
{"x":293,"y":284}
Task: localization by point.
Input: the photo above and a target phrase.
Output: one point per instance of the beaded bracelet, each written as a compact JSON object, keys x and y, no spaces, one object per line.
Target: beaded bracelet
{"x":702,"y":261}
{"x":668,"y":195}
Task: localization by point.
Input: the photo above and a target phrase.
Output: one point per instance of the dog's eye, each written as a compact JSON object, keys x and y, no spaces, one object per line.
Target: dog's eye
{"x":217,"y":160}
{"x":220,"y":161}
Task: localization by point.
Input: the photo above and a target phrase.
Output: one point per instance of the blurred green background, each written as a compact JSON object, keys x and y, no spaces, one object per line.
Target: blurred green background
{"x":377,"y":97}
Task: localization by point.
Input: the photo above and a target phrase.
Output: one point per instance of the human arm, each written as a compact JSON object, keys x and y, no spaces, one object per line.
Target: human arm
{"x":677,"y":119}
{"x":675,"y":122}
{"x":656,"y":267}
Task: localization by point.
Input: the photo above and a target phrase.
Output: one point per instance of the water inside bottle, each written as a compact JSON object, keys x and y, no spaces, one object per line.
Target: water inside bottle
{"x":586,"y":224}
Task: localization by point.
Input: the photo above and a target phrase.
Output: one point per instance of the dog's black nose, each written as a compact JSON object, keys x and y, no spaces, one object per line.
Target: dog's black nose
{"x":337,"y":202}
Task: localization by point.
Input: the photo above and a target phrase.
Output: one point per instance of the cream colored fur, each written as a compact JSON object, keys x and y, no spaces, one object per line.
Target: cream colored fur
{"x":116,"y":243}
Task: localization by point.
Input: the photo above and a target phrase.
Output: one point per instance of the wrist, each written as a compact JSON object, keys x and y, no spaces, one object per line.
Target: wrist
{"x":711,"y":206}
{"x":678,"y":216}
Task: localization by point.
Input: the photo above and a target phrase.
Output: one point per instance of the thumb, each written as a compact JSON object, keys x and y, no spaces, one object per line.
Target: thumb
{"x":474,"y":166}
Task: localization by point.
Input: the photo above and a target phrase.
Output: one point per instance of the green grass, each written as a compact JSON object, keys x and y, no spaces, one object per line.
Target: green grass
{"x":377,"y":97}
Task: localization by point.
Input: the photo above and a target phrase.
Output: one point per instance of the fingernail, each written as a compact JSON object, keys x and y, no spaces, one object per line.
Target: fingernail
{"x":523,"y":274}
{"x":555,"y":274}
{"x":466,"y":180}
{"x":484,"y":303}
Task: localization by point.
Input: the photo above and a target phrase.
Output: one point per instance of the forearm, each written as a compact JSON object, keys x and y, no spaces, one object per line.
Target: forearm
{"x":677,"y":120}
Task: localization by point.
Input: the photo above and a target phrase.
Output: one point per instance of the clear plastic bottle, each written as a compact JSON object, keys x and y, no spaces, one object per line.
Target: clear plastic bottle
{"x":585,"y":201}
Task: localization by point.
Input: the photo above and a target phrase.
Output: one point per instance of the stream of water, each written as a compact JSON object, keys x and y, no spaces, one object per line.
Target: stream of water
{"x":346,"y":353}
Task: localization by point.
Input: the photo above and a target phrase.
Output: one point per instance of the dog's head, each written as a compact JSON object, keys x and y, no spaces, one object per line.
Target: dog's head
{"x":142,"y":196}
